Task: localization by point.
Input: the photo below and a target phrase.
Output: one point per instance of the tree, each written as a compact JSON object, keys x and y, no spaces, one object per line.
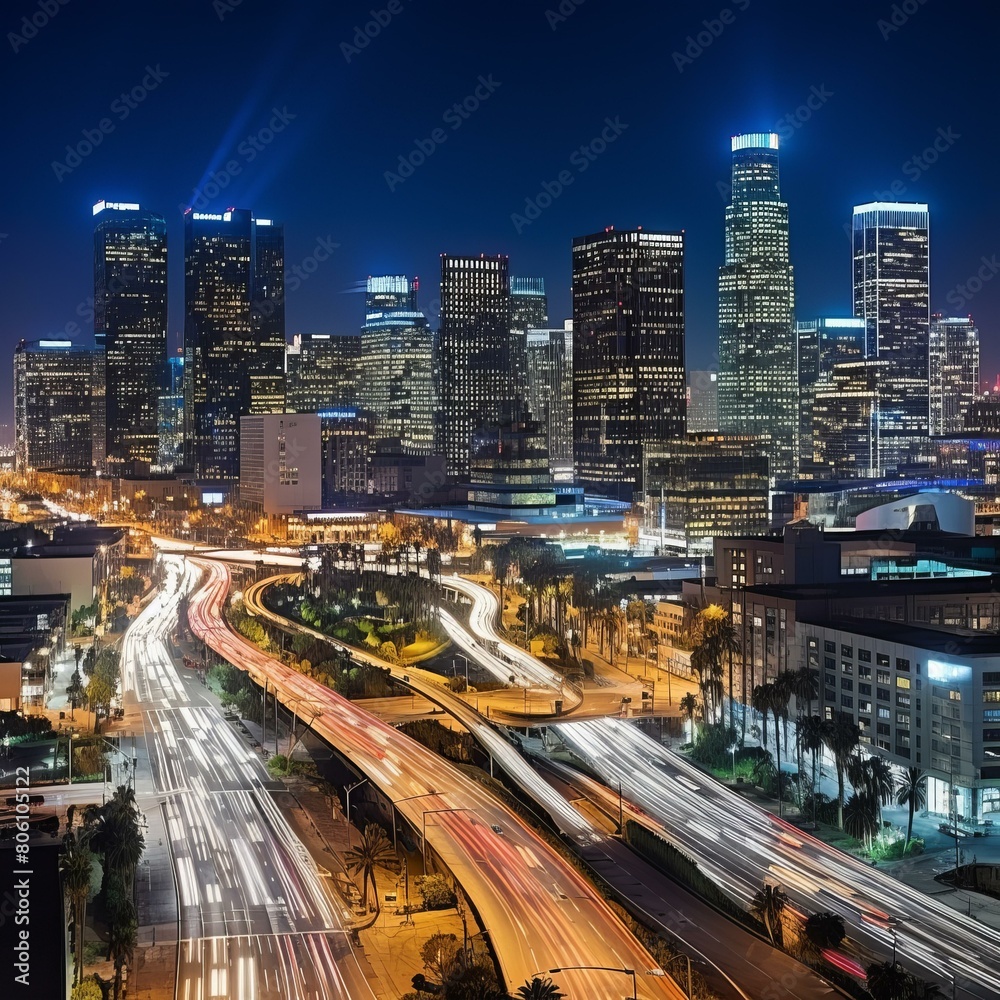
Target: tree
{"x":76,"y":692}
{"x":889,"y":981}
{"x":912,"y":793}
{"x":75,"y":867}
{"x":760,"y":702}
{"x":87,"y":990}
{"x":539,"y":989}
{"x":825,"y":930}
{"x":715,"y":640}
{"x":768,"y":904}
{"x":689,"y":704}
{"x":810,"y":739}
{"x":122,"y":936}
{"x":861,"y":817}
{"x":842,"y":736}
{"x":439,"y":955}
{"x":375,"y":852}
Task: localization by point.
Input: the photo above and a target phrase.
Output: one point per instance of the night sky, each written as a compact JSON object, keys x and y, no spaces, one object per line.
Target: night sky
{"x":303,"y":124}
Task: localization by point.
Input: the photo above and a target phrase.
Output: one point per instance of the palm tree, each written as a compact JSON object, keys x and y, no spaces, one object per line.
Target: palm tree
{"x":375,"y":852}
{"x":122,"y":935}
{"x":883,"y":782}
{"x":810,"y":739}
{"x":804,"y":684}
{"x":689,"y":704}
{"x":889,"y":981}
{"x":75,"y":866}
{"x":715,"y":640}
{"x":842,"y":736}
{"x":825,"y":930}
{"x":760,"y":701}
{"x":861,"y":817}
{"x":539,"y":989}
{"x":912,"y":793}
{"x":767,"y":905}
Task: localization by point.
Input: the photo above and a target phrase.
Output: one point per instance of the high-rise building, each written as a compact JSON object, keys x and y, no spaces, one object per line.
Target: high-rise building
{"x":892,"y":294}
{"x":346,"y":443}
{"x":845,"y":420}
{"x":475,"y":357}
{"x":757,"y":386}
{"x":171,"y":417}
{"x":628,"y":354}
{"x":321,"y":372}
{"x":267,"y":311}
{"x":280,"y":463}
{"x":529,"y":310}
{"x":822,"y":343}
{"x":702,"y":402}
{"x":130,"y":328}
{"x":397,"y":365}
{"x":52,"y":400}
{"x":954,"y":372}
{"x":234,"y":306}
{"x":550,"y":394}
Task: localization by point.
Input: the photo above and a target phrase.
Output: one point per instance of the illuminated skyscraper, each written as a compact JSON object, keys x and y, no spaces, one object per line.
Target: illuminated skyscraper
{"x":529,"y":310}
{"x":550,"y":394}
{"x":171,"y":417}
{"x":476,"y":373}
{"x":234,"y":308}
{"x":397,"y":365}
{"x":130,"y":327}
{"x":321,"y":371}
{"x":628,"y":354}
{"x":52,"y":406}
{"x":757,"y":383}
{"x":954,"y":372}
{"x":702,"y":402}
{"x":892,"y":294}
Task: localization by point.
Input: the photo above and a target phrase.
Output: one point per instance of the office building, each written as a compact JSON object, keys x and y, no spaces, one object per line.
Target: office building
{"x":954,"y":372}
{"x":52,"y":400}
{"x":130,"y":329}
{"x":321,"y":372}
{"x":529,"y":310}
{"x":280,"y":463}
{"x":171,"y":417}
{"x":550,"y":394}
{"x":628,"y":354}
{"x":822,"y":343}
{"x":703,"y":402}
{"x":892,"y":294}
{"x":234,"y":356}
{"x":397,"y":365}
{"x":475,"y":356}
{"x":844,"y":421}
{"x":757,"y":384}
{"x":346,"y":442}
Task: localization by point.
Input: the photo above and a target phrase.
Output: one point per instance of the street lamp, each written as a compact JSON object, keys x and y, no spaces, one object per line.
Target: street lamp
{"x":464,"y":657}
{"x":687,"y":958}
{"x":423,"y":829}
{"x":347,"y":799}
{"x":733,"y":750}
{"x":603,"y":968}
{"x":953,"y":796}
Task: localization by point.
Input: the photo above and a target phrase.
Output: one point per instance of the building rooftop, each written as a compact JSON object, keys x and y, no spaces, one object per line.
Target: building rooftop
{"x":951,"y":641}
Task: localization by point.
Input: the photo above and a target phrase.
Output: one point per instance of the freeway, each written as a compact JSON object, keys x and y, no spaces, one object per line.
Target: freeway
{"x":740,"y":846}
{"x":712,"y":940}
{"x":255,"y":921}
{"x":539,"y":911}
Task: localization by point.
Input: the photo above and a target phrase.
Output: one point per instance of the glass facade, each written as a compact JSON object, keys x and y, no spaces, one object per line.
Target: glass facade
{"x":954,"y":372}
{"x":130,"y":327}
{"x":550,"y":394}
{"x":529,"y":310}
{"x":628,"y":354}
{"x":757,"y":351}
{"x":321,"y":372}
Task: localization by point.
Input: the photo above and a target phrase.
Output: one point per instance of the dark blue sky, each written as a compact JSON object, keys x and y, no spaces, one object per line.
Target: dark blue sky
{"x":222,"y":71}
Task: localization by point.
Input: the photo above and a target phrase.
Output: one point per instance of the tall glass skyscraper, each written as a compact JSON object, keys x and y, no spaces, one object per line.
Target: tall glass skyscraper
{"x":628,"y":354}
{"x":757,"y":381}
{"x":234,"y":312}
{"x":891,"y":245}
{"x":130,"y":327}
{"x":476,"y":373}
{"x":321,"y":372}
{"x":529,"y":310}
{"x":550,"y":394}
{"x":954,"y":372}
{"x":397,"y":365}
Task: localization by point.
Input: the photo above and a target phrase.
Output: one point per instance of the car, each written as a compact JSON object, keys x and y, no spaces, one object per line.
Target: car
{"x":496,"y":828}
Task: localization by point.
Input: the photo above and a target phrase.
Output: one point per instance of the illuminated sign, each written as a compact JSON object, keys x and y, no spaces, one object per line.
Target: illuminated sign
{"x":948,"y":672}
{"x":836,"y":324}
{"x":118,"y":206}
{"x":209,"y":217}
{"x":264,"y":222}
{"x":755,"y":140}
{"x":345,"y":414}
{"x":55,"y":343}
{"x":212,"y":499}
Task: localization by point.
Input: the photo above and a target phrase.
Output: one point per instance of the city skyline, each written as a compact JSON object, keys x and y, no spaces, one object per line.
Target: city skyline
{"x":273,"y":125}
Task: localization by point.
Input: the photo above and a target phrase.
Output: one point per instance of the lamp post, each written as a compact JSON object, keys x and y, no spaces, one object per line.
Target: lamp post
{"x":601,"y":968}
{"x":464,"y":657}
{"x":347,"y":801}
{"x":423,"y":829}
{"x":733,"y":750}
{"x":687,"y":958}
